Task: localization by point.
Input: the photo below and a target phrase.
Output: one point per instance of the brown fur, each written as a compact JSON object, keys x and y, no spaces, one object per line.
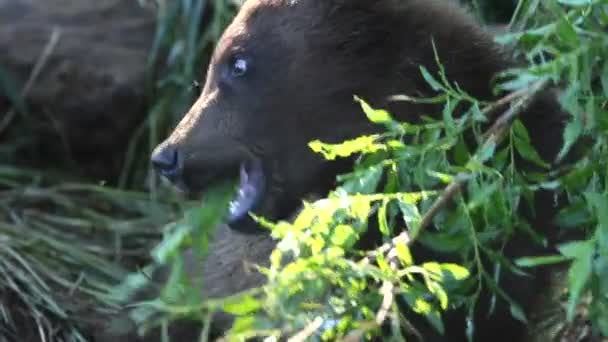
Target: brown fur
{"x":308,"y":58}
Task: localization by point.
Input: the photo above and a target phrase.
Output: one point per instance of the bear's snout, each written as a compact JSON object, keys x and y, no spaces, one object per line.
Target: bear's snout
{"x":166,"y":159}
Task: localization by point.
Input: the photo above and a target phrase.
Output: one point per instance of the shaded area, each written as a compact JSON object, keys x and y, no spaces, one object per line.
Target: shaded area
{"x":89,"y":93}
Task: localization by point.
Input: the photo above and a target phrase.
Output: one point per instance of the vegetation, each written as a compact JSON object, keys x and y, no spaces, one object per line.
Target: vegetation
{"x":455,"y":200}
{"x":64,"y":242}
{"x":63,"y":246}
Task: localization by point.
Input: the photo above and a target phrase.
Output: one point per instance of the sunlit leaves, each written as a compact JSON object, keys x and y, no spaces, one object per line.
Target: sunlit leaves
{"x":452,"y":271}
{"x":363,"y":144}
{"x":404,"y":254}
{"x":241,"y":305}
{"x":379,"y":116}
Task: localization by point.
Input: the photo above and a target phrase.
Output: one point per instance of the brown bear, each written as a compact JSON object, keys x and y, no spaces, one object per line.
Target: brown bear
{"x":284,"y":73}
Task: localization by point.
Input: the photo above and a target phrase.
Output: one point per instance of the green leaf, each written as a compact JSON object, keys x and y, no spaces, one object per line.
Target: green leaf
{"x":170,"y":246}
{"x":574,"y":128}
{"x":343,"y":236}
{"x":518,"y":313}
{"x":446,"y":271}
{"x":392,"y":182}
{"x":444,"y":242}
{"x":440,"y":294}
{"x":413,"y":296}
{"x":448,"y":111}
{"x":577,"y":3}
{"x":481,"y":196}
{"x":540,"y":261}
{"x":360,"y":207}
{"x":599,"y":203}
{"x":455,"y":271}
{"x":241,"y":305}
{"x":243,"y":324}
{"x":574,"y":216}
{"x":520,"y":131}
{"x":404,"y":254}
{"x":528,"y":152}
{"x":382,"y":221}
{"x":178,"y":283}
{"x":364,"y":181}
{"x":210,"y":215}
{"x":520,"y":80}
{"x":580,"y":270}
{"x":430,"y":79}
{"x":364,"y":144}
{"x":377,"y":116}
{"x":434,"y":317}
{"x":411,"y":216}
{"x":486,"y":152}
{"x":566,"y":32}
{"x":443,"y":177}
{"x":461,"y":152}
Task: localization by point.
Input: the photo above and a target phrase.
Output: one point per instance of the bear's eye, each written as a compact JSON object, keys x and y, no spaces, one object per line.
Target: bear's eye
{"x":239,"y":66}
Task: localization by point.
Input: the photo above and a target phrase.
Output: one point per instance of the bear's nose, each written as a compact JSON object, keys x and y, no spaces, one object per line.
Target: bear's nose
{"x":166,"y":161}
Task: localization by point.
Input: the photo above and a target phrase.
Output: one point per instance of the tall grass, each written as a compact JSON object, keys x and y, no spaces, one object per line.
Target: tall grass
{"x":64,"y":244}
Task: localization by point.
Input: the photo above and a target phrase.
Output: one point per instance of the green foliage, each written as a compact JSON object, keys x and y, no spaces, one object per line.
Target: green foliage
{"x":568,"y":44}
{"x":181,"y":297}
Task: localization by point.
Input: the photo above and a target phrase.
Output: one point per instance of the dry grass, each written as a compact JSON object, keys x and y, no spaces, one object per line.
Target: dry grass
{"x":62,"y":247}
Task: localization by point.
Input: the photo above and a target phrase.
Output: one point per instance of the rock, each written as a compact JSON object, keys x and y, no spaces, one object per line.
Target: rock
{"x":89,"y":94}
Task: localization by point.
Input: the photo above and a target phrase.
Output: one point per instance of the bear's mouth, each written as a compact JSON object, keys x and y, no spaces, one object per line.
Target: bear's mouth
{"x":249,"y":190}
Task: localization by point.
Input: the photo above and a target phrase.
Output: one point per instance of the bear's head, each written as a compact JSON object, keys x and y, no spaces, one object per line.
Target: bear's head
{"x":284,"y":73}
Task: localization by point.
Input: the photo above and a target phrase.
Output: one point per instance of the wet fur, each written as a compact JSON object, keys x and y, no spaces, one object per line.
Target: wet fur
{"x":312,"y":56}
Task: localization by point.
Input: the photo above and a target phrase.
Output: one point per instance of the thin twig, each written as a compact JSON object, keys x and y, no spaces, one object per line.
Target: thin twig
{"x":387,"y":247}
{"x":504,"y":121}
{"x":357,"y":334}
{"x":307,"y":331}
{"x":505,"y":100}
{"x":388,"y":298}
{"x":40,"y":63}
{"x":493,"y":135}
